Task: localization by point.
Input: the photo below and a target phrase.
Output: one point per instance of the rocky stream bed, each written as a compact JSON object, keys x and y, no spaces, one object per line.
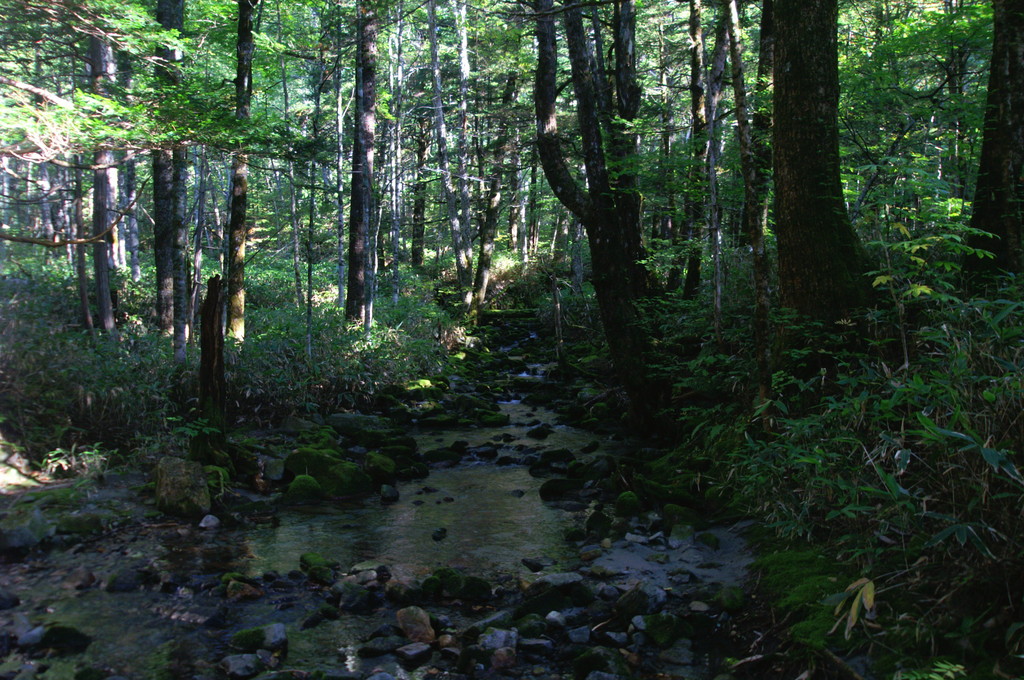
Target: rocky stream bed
{"x":494,"y":543}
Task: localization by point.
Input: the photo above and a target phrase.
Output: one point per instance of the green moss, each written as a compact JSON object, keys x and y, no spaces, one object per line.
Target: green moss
{"x":431,"y":587}
{"x":311,"y":560}
{"x":710,"y":540}
{"x":799,"y":581}
{"x":475,"y":589}
{"x":324,"y":575}
{"x":379,"y":467}
{"x":452,"y":581}
{"x":627,"y":504}
{"x":303,"y":488}
{"x":232,"y":576}
{"x":731,"y":598}
{"x":556,"y":488}
{"x":493,"y":419}
{"x":663,"y":629}
{"x":248,"y":640}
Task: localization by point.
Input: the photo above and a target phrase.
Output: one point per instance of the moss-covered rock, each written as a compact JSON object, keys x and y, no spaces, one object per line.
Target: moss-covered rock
{"x":311,"y":560}
{"x":627,"y":504}
{"x":452,"y":581}
{"x":315,"y":462}
{"x":663,"y":629}
{"x":598,"y":524}
{"x":303,"y":489}
{"x":731,"y":598}
{"x":442,"y":456}
{"x":347,"y":479}
{"x":379,"y":467}
{"x":84,"y":523}
{"x":602,"y":659}
{"x":490,"y":419}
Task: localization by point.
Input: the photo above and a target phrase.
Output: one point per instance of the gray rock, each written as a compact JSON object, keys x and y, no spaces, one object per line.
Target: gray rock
{"x":381,"y":646}
{"x":273,"y":469}
{"x":496,"y":638}
{"x":417,"y":652}
{"x":20,"y":531}
{"x":580,"y":636}
{"x":209,"y":522}
{"x":548,"y":581}
{"x":680,"y":653}
{"x":181,"y":488}
{"x":125,"y":581}
{"x":537,"y":646}
{"x":643,"y":598}
{"x":555,"y":619}
{"x":275,"y":637}
{"x":415,"y":624}
{"x":241,"y":665}
{"x":31,"y":637}
{"x":388,"y":494}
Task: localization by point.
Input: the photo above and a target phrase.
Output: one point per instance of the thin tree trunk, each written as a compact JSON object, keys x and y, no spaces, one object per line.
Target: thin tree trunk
{"x":755,"y":199}
{"x":462,"y":266}
{"x":339,"y":186}
{"x":85,"y":311}
{"x":101,"y":59}
{"x":237,"y":224}
{"x":361,"y":215}
{"x":419,"y":190}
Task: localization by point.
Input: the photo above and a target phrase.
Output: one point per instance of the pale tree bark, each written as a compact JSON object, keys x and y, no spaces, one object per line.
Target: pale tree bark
{"x":361,"y":202}
{"x":101,"y":61}
{"x":237,"y":221}
{"x":419,"y":191}
{"x":755,"y":195}
{"x":462,"y":150}
{"x":451,"y":200}
{"x":81,"y":270}
{"x":341,"y":107}
{"x":397,"y":77}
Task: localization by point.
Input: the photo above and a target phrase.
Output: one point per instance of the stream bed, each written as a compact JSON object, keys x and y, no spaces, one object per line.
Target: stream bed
{"x":147,"y":599}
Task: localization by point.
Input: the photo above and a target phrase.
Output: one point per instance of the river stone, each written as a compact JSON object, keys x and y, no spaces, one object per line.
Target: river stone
{"x":680,"y":653}
{"x":63,"y":640}
{"x":381,"y":646}
{"x":559,"y":580}
{"x":8,"y":600}
{"x":21,"y":531}
{"x":643,"y":598}
{"x":503,"y":657}
{"x":353,"y":597}
{"x":181,"y":488}
{"x":499,"y":619}
{"x":417,"y":652}
{"x":415,"y":624}
{"x":579,"y":636}
{"x":537,"y":646}
{"x":241,"y":665}
{"x":558,"y":487}
{"x":381,"y":675}
{"x":125,"y":581}
{"x":496,"y":638}
{"x":388,"y":494}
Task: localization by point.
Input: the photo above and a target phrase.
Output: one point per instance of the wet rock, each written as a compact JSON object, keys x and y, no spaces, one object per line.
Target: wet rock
{"x":31,"y":636}
{"x":537,"y":647}
{"x":643,"y":598}
{"x":240,"y":590}
{"x":381,"y":646}
{"x":273,"y":469}
{"x":580,"y":635}
{"x":601,"y":659}
{"x":499,"y":619}
{"x":589,"y":553}
{"x":209,"y":522}
{"x":379,"y":467}
{"x":555,"y":620}
{"x":503,"y":658}
{"x":241,"y":666}
{"x":439,"y":534}
{"x":125,"y":581}
{"x":541,"y":432}
{"x":679,"y":654}
{"x":627,"y":504}
{"x":380,"y":675}
{"x":388,"y":494}
{"x":8,"y":600}
{"x":561,"y":580}
{"x":415,"y":653}
{"x":532,"y":564}
{"x":496,"y":638}
{"x":181,"y":488}
{"x":83,"y":523}
{"x":353,"y":597}
{"x":415,"y":624}
{"x":273,"y":638}
{"x":22,"y":531}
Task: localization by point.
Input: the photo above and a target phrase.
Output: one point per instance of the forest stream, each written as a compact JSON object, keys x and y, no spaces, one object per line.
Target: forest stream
{"x":464,"y":573}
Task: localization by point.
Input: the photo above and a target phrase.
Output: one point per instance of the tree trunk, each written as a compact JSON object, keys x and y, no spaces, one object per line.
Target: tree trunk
{"x":101,"y":59}
{"x":462,"y":264}
{"x":755,"y":196}
{"x":609,"y":207}
{"x":821,"y":262}
{"x":999,"y":197}
{"x":81,"y":271}
{"x":361,"y":201}
{"x":237,"y":225}
{"x":419,"y":191}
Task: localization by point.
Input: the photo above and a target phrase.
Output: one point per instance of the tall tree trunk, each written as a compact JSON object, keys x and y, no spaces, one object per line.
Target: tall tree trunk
{"x":179,"y":258}
{"x":170,"y":14}
{"x":101,"y":60}
{"x":755,"y":196}
{"x":339,"y":175}
{"x":361,"y":202}
{"x":397,"y":177}
{"x":451,"y":201}
{"x":693,"y":193}
{"x":821,"y":262}
{"x":610,"y":205}
{"x":419,"y":191}
{"x":462,"y":151}
{"x":81,"y":271}
{"x":999,"y":197}
{"x":237,"y":225}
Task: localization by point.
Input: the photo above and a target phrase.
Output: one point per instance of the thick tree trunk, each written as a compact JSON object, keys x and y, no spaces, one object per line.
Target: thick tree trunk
{"x":237,"y":225}
{"x":361,"y":206}
{"x":821,"y":262}
{"x":999,"y":197}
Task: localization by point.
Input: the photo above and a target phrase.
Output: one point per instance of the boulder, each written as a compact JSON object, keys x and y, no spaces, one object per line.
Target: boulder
{"x":181,"y":488}
{"x":20,"y":531}
{"x":415,"y":624}
{"x":241,"y":666}
{"x":414,"y":653}
{"x":379,"y":467}
{"x":303,"y":489}
{"x":273,"y":638}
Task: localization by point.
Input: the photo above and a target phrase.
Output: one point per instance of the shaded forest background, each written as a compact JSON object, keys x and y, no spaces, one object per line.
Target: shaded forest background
{"x":789,"y":271}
